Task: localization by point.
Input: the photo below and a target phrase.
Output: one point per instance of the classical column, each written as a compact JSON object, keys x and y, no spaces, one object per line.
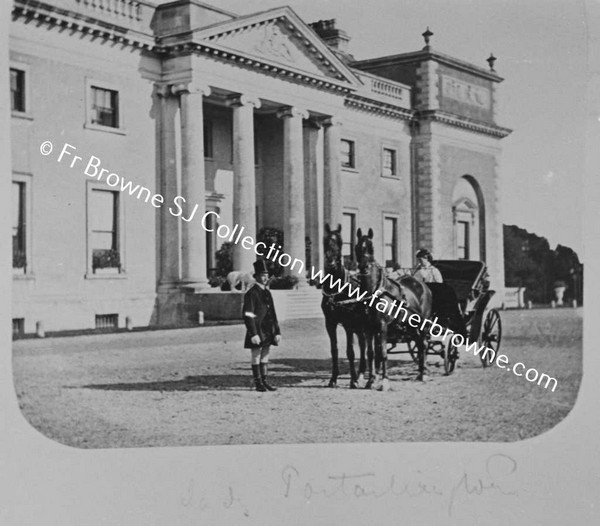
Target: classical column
{"x":332,"y":198}
{"x":313,"y":189}
{"x":169,"y":225}
{"x":293,"y":186}
{"x":193,"y":184}
{"x":244,"y":177}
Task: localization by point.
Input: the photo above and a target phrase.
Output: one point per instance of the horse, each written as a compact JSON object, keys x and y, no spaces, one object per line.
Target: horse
{"x":417,"y":300}
{"x":339,"y":309}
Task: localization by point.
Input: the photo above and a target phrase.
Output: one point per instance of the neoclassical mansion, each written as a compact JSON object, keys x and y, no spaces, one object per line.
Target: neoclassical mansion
{"x":264,"y":119}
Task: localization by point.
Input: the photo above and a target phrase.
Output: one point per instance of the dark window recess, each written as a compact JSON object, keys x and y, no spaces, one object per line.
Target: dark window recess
{"x":208,"y":139}
{"x":105,"y":107}
{"x":18,"y":326}
{"x":18,"y":226}
{"x":348,"y":154}
{"x":107,"y":321}
{"x":17,"y":90}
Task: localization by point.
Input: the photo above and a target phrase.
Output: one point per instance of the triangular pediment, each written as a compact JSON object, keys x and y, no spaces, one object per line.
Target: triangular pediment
{"x":281,"y":38}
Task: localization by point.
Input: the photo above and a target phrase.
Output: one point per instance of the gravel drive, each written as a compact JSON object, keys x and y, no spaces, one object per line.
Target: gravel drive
{"x":192,"y":387}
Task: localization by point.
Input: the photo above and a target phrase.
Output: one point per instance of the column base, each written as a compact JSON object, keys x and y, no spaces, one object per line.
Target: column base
{"x":195,"y":285}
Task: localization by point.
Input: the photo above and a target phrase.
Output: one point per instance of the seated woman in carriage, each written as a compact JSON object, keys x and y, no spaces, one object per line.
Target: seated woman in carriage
{"x":426,"y":272}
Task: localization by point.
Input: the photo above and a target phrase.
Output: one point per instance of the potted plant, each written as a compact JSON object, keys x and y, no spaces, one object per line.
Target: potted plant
{"x":106,"y":259}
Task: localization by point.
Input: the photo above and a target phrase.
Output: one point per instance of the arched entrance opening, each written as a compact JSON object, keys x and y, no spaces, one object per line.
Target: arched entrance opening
{"x":468,"y":213}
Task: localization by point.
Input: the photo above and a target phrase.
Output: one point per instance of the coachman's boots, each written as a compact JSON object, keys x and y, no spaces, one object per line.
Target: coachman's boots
{"x":258,"y":381}
{"x":263,"y":374}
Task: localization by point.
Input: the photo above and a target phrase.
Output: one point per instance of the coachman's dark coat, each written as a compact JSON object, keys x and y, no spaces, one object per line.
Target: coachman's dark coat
{"x":259,"y":302}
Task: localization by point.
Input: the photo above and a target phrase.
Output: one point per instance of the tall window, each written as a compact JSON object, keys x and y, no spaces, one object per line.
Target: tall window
{"x":390,"y":241}
{"x":389,"y":163}
{"x":17,"y":90}
{"x":18,"y":226}
{"x":105,"y":107}
{"x":462,"y":239}
{"x":104,"y":229}
{"x":348,"y":234}
{"x":348,"y":154}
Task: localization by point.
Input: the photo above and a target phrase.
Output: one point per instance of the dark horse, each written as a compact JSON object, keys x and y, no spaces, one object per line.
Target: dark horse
{"x":341,"y":309}
{"x":382,"y":314}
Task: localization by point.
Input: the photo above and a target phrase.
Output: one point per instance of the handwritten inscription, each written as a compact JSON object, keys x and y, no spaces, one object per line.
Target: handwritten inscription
{"x":466,"y":92}
{"x":496,"y":478}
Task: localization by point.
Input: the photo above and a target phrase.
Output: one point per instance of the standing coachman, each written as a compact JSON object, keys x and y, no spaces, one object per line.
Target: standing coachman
{"x":262,"y":327}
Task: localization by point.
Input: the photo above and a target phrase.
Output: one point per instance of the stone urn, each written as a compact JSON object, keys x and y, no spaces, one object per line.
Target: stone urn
{"x":559,"y":291}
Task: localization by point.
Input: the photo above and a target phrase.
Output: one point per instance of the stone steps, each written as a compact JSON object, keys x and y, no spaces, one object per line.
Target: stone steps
{"x":297,"y":304}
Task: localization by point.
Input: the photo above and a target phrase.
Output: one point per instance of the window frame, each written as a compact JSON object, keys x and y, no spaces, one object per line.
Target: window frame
{"x":90,"y":84}
{"x":351,"y":235}
{"x":395,"y":172}
{"x":25,"y":179}
{"x":353,"y":148}
{"x":467,"y":232}
{"x":395,"y":240}
{"x":109,"y":272}
{"x":25,"y":68}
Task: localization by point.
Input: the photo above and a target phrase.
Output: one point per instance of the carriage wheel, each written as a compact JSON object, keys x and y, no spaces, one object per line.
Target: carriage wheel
{"x":412,"y":349}
{"x":450,"y":356}
{"x":491,"y":335}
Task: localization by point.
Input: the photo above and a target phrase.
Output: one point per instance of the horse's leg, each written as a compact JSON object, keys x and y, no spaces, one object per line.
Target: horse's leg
{"x":385,"y":383}
{"x":362,"y":367}
{"x":331,"y":327}
{"x":378,"y":354}
{"x":371,"y":344}
{"x":350,"y":355}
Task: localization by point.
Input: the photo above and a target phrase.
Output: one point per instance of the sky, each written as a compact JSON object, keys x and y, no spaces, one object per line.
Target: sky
{"x":541,"y":46}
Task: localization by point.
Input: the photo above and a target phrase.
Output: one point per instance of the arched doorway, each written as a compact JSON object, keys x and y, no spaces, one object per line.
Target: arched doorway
{"x":468,"y":214}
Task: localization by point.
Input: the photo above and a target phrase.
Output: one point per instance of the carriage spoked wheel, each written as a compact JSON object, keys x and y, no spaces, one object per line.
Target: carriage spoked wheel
{"x":450,"y":355}
{"x":491,"y":336}
{"x":413,"y":350}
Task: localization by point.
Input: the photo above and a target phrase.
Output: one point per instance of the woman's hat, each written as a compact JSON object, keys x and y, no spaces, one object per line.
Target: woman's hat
{"x":260,"y":267}
{"x":424,"y":253}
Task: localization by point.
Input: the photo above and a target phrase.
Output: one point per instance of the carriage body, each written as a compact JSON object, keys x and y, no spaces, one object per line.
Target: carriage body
{"x":472,"y":294}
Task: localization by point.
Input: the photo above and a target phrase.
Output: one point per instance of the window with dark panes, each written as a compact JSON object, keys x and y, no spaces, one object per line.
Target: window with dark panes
{"x":348,"y":235}
{"x":390,"y":241}
{"x":462,"y":240}
{"x":18,"y":226}
{"x":389,"y":162}
{"x":104,"y":229}
{"x":348,"y":154}
{"x":17,"y":90}
{"x":208,"y":138}
{"x":105,"y":107}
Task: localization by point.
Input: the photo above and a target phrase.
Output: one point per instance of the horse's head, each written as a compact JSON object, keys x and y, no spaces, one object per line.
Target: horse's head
{"x":364,"y":250}
{"x":332,"y":247}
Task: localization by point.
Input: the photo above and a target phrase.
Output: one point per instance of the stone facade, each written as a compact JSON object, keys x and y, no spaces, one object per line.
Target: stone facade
{"x":253,"y":118}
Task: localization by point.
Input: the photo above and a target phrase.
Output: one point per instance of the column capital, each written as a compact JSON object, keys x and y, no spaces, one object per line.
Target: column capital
{"x":331,"y":121}
{"x":163,"y":90}
{"x":243,"y":100}
{"x":292,"y":111}
{"x":191,"y":88}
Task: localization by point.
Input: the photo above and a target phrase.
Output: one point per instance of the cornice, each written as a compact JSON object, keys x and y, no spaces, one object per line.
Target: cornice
{"x":379,"y":108}
{"x":52,"y":17}
{"x":462,"y":122}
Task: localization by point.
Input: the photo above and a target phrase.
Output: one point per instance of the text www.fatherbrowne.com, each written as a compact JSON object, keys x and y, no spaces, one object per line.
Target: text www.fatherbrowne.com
{"x":94,"y":169}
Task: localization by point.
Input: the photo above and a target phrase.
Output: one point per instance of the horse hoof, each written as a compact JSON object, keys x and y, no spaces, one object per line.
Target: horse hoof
{"x":354,"y":385}
{"x":332,"y":384}
{"x":419,"y":377}
{"x":369,"y":384}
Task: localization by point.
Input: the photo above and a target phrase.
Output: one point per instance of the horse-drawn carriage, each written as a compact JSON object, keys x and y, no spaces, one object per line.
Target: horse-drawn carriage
{"x":460,"y":304}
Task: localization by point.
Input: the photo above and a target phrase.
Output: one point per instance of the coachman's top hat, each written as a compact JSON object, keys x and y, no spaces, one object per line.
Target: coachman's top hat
{"x":260,"y":266}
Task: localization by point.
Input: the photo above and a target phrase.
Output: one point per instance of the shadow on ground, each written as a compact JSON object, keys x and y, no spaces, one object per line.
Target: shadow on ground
{"x":287,"y":372}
